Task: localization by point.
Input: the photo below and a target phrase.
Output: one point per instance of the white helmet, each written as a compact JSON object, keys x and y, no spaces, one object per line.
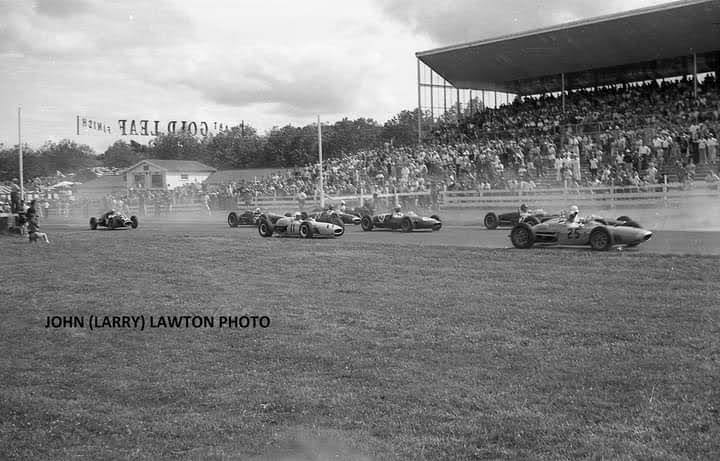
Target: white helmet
{"x":574,"y":209}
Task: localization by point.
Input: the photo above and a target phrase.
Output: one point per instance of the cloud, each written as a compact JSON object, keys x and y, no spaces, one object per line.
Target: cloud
{"x":459,"y":21}
{"x":78,"y":29}
{"x":62,"y":9}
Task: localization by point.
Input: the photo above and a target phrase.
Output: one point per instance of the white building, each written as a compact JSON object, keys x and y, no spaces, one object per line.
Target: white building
{"x":154,"y":174}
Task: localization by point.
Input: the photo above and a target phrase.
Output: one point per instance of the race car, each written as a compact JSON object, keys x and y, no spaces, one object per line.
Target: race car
{"x":113,"y":220}
{"x":335,"y":217}
{"x":532,"y":217}
{"x":406,"y":222}
{"x":245,"y":218}
{"x":599,"y":233}
{"x":296,"y":226}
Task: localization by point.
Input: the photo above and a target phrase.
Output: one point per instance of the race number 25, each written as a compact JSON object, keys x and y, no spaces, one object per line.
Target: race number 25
{"x":573,"y":234}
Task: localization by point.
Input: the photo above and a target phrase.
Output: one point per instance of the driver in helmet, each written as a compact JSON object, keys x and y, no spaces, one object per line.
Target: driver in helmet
{"x":257,"y":211}
{"x":342,"y":206}
{"x":573,"y":215}
{"x":524,"y":211}
{"x":297,"y":216}
{"x":108,"y":215}
{"x":397,"y":211}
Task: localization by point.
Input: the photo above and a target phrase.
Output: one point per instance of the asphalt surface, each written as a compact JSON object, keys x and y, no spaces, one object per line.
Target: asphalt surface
{"x":663,"y":241}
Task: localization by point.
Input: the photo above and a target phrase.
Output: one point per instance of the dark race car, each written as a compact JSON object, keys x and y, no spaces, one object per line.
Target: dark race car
{"x":531,"y":217}
{"x":113,"y":220}
{"x":335,"y":217}
{"x":406,"y":222}
{"x":245,"y":218}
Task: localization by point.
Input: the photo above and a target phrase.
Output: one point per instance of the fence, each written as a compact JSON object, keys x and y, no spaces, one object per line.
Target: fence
{"x":658,"y":195}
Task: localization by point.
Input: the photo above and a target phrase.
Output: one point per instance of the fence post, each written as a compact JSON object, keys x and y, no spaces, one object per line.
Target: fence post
{"x":665,"y":199}
{"x":612,"y":193}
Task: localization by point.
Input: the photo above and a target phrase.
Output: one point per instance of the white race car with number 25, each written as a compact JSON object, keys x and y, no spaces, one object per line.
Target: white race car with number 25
{"x":597,"y":232}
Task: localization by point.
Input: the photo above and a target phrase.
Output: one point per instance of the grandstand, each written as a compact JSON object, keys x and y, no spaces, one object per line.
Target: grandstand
{"x":572,"y":79}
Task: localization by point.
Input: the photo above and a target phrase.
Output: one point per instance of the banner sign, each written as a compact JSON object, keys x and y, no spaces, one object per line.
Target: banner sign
{"x":87,"y":124}
{"x":151,"y":127}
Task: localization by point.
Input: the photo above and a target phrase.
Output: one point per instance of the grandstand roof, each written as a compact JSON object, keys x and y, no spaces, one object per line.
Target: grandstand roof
{"x":631,"y":46}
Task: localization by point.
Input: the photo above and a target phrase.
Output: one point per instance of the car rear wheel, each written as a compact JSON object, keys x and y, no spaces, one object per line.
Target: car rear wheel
{"x":366,"y":223}
{"x":406,"y":225}
{"x":133,"y":222}
{"x":337,"y":220}
{"x":264,"y":229}
{"x":522,"y":236}
{"x":111,"y":223}
{"x":305,"y":230}
{"x":232,"y":219}
{"x":600,"y":239}
{"x":491,"y":221}
{"x":93,"y":223}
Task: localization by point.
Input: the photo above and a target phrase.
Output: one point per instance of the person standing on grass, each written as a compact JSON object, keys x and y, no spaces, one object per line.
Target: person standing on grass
{"x":206,"y":201}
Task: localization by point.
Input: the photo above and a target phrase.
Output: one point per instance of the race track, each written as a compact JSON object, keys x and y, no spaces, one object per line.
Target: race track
{"x":663,"y":241}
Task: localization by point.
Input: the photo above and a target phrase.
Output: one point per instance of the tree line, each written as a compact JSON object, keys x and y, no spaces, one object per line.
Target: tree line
{"x":236,"y":148}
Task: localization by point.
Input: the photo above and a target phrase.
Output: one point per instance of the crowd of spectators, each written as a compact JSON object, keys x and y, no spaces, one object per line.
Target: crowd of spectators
{"x":626,"y":135}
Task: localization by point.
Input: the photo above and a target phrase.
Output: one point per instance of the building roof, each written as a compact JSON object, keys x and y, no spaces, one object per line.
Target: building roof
{"x":636,"y":45}
{"x":247,"y":175}
{"x":183,"y":166}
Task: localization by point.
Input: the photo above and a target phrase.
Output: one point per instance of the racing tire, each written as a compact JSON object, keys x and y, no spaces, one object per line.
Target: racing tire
{"x":305,"y":231}
{"x":337,"y":220}
{"x":93,"y":223}
{"x":264,"y":229}
{"x":531,"y":221}
{"x":111,"y":223}
{"x":491,"y":221}
{"x":232,"y":219}
{"x":522,"y":236}
{"x":406,"y":225}
{"x":133,"y":222}
{"x":600,"y":239}
{"x":366,"y":223}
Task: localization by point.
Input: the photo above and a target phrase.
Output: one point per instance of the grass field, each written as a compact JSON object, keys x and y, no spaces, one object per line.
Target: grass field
{"x":374,"y":351}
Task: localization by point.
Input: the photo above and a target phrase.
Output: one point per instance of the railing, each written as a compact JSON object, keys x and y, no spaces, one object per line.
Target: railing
{"x":658,"y":195}
{"x":662,"y":195}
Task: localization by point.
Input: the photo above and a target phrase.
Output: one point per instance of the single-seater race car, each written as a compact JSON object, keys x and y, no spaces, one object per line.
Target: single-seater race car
{"x":406,"y":222}
{"x":296,"y":226}
{"x":532,"y":217}
{"x":113,"y":220}
{"x":599,"y":233}
{"x":335,"y":217}
{"x":245,"y":218}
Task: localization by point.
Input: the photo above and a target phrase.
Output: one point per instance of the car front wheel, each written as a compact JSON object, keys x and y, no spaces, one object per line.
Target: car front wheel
{"x":264,"y":229}
{"x":366,"y":223}
{"x":522,"y":236}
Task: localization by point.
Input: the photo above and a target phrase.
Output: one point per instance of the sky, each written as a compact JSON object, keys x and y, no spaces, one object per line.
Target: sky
{"x":265,"y":64}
